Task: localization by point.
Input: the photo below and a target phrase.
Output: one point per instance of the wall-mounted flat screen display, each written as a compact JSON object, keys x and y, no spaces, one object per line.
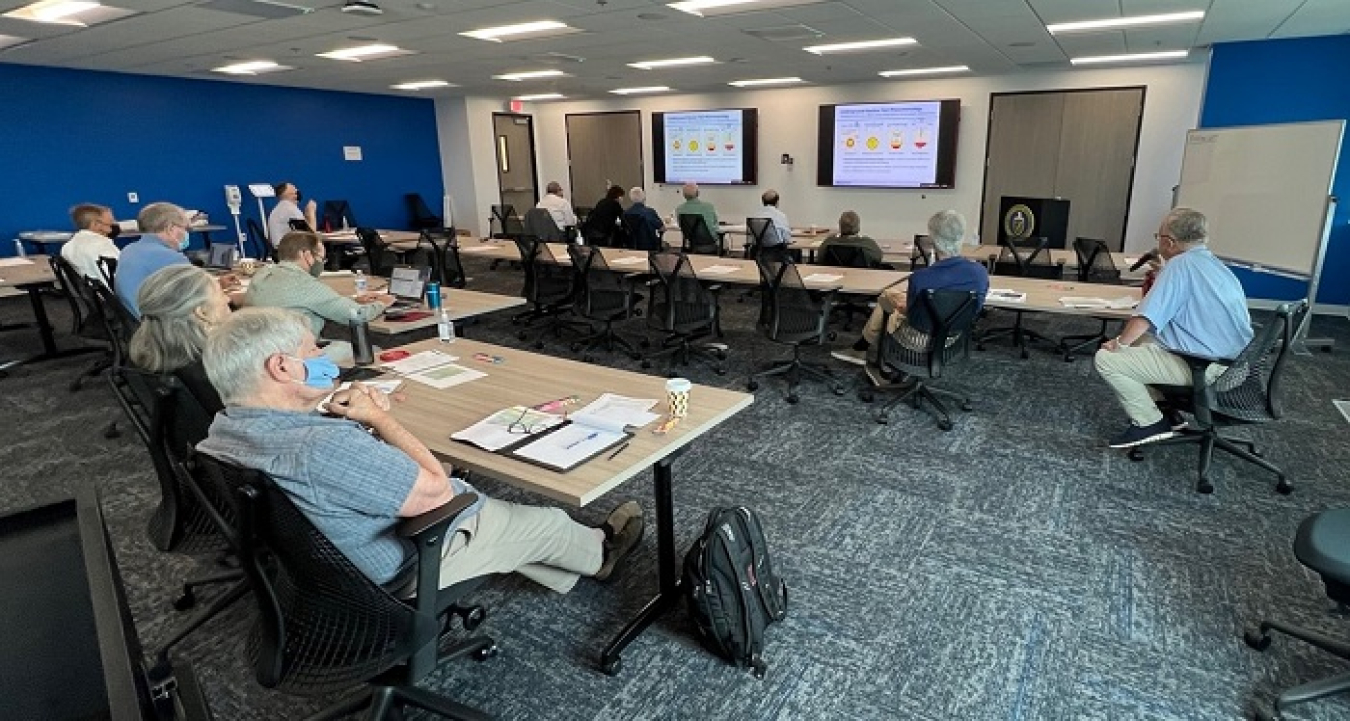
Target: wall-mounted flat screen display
{"x":908,"y":144}
{"x":713,"y":147}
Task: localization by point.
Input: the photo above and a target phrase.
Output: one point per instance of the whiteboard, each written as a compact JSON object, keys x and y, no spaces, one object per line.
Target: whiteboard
{"x":1264,"y":189}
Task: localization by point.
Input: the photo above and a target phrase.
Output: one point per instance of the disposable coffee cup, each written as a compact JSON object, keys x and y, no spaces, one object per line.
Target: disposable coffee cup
{"x":677,"y":396}
{"x":247,"y":266}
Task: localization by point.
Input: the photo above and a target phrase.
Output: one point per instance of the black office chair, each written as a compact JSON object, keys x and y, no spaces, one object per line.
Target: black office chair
{"x":505,"y":215}
{"x":582,"y":213}
{"x":337,"y":214}
{"x":539,"y":223}
{"x":1024,"y":258}
{"x":1322,"y":544}
{"x":921,"y":254}
{"x":698,"y":238}
{"x":442,"y":246}
{"x":108,"y":267}
{"x":640,"y":233}
{"x":323,"y":626}
{"x":796,"y":317}
{"x":848,"y":256}
{"x":936,"y":332}
{"x":602,"y":296}
{"x":84,"y":310}
{"x":420,"y":217}
{"x":380,"y":258}
{"x":298,"y":224}
{"x":549,"y":288}
{"x":1095,"y":265}
{"x":686,"y":311}
{"x":1245,"y":393}
{"x":120,"y":325}
{"x":258,"y":246}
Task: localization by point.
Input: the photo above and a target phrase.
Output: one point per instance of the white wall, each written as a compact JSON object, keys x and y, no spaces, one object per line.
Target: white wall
{"x":468,"y":158}
{"x":787,"y":118}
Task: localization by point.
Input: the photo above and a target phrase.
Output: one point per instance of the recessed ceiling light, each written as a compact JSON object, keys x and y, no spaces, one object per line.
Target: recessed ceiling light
{"x":422,"y":85}
{"x":696,"y":7}
{"x":552,"y":27}
{"x":862,"y":45}
{"x":251,"y":67}
{"x":1126,"y":22}
{"x":1131,"y":57}
{"x":636,"y":91}
{"x":529,"y":75}
{"x":365,"y":52}
{"x":67,"y":12}
{"x":923,"y":71}
{"x":540,"y":96}
{"x":763,"y":81}
{"x":671,"y":63}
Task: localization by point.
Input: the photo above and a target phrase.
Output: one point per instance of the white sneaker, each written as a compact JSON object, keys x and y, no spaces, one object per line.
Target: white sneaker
{"x":850,"y":356}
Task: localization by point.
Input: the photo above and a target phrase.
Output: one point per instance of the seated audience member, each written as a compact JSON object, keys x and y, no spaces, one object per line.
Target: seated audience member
{"x":692,"y":205}
{"x":603,"y":221}
{"x":951,"y":272}
{"x":179,"y":305}
{"x":93,"y":239}
{"x":294,"y":283}
{"x":645,"y":221}
{"x":164,"y":237}
{"x":354,"y":485}
{"x":782,"y":231}
{"x":848,"y":236}
{"x":558,"y":207}
{"x":288,"y":209}
{"x":1196,"y":307}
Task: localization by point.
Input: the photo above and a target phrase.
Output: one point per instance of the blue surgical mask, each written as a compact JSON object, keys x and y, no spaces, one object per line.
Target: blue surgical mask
{"x":320,"y":371}
{"x":183,"y":244}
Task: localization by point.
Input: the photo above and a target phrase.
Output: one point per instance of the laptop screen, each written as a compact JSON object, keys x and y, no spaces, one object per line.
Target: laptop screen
{"x":222,"y":255}
{"x":408,"y":283}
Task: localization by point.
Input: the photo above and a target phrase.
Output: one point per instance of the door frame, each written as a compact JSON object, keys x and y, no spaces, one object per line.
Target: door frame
{"x":642,"y":160}
{"x":1134,"y":166}
{"x":497,"y":153}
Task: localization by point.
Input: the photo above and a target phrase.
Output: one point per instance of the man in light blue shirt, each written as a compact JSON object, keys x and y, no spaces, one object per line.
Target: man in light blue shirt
{"x":782,"y":234}
{"x":164,"y":228}
{"x":1196,"y":307}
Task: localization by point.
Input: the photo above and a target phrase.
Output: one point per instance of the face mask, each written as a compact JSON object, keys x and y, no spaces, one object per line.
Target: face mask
{"x":183,"y":244}
{"x":113,"y":231}
{"x":316,"y":268}
{"x":320,"y":372}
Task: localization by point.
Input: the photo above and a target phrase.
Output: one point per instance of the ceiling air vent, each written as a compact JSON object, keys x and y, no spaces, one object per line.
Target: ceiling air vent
{"x":269,"y":9}
{"x":785,"y":33}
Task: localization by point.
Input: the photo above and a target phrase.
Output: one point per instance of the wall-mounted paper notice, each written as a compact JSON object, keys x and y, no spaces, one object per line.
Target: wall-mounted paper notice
{"x":351,"y":152}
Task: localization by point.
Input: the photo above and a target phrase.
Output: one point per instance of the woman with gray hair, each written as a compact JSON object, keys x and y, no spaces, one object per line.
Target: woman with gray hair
{"x":947,"y":228}
{"x":179,"y":306}
{"x":849,"y":236}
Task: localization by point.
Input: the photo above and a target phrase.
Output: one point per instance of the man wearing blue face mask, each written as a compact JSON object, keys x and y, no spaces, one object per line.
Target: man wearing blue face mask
{"x":354,"y":486}
{"x":164,"y":236}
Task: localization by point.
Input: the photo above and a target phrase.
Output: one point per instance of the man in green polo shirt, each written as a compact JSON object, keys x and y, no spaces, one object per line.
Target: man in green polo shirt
{"x":693,"y":206}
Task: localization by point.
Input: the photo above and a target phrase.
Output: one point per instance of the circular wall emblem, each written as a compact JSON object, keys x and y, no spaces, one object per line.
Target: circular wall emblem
{"x":1019,"y":222}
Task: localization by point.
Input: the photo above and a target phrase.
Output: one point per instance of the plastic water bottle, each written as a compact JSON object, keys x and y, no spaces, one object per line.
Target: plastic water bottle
{"x":360,"y":281}
{"x":362,"y":353}
{"x":19,"y":249}
{"x":434,"y":296}
{"x":445,"y":328}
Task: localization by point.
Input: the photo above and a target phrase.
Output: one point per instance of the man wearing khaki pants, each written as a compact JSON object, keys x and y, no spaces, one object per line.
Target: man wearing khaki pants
{"x":1196,"y":307}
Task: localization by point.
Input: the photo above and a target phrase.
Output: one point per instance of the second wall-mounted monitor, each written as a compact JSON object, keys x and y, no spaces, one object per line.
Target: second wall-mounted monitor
{"x":908,"y":144}
{"x":712,"y":147}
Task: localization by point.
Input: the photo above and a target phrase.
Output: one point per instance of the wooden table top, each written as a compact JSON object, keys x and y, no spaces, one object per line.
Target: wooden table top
{"x":392,"y":237}
{"x":526,"y":378}
{"x":460,"y":302}
{"x":38,"y":270}
{"x":1044,"y":295}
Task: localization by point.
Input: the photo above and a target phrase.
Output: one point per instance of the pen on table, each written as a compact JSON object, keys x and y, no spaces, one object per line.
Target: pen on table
{"x":617,"y":451}
{"x":589,"y":437}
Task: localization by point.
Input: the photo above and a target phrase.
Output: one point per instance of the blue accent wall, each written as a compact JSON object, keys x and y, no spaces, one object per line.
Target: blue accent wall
{"x":71,"y":136}
{"x":1286,"y":81}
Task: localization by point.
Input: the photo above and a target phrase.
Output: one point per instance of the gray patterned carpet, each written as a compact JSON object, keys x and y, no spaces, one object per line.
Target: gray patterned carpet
{"x":1011,"y":569}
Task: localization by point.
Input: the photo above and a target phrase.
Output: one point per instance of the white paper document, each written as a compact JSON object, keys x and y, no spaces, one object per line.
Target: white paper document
{"x":718,"y":270}
{"x":419,"y":362}
{"x":821,"y":278}
{"x":446,"y":375}
{"x":629,"y":260}
{"x":476,"y":248}
{"x":505,"y":427}
{"x":1005,"y":295}
{"x":335,"y":274}
{"x":6,"y":262}
{"x":566,"y":447}
{"x":385,"y":386}
{"x":615,"y":411}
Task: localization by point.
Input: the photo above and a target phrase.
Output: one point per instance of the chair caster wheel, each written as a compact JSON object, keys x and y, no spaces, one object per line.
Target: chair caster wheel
{"x":944,"y":425}
{"x":1256,"y":640}
{"x":484,"y":654}
{"x":612,"y":668}
{"x":1284,"y":488}
{"x":967,"y":406}
{"x":1204,"y":486}
{"x":866,"y":396}
{"x":792,"y":399}
{"x":1135,"y":455}
{"x":752,"y":386}
{"x":473,"y":617}
{"x":185,"y":601}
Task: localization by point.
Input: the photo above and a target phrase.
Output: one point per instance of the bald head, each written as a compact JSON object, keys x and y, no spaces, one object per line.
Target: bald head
{"x":690,"y":191}
{"x":554,"y":188}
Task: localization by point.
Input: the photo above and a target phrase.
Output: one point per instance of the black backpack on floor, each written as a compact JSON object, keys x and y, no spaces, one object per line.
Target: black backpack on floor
{"x":732,"y":589}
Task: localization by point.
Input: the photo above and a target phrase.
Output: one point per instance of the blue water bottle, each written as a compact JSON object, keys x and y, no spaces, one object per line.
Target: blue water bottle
{"x":434,"y":296}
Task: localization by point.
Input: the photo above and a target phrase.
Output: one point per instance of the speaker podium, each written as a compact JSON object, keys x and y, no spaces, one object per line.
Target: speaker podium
{"x":1020,"y":217}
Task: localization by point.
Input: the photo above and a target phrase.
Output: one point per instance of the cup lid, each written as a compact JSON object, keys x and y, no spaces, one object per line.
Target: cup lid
{"x":678,"y":385}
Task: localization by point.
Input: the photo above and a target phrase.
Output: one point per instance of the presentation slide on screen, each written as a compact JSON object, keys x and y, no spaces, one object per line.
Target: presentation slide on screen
{"x":892,"y":144}
{"x":705,"y":147}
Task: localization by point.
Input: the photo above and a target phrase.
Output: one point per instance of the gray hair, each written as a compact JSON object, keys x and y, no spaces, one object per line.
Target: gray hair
{"x":1187,"y":225}
{"x":947,"y":228}
{"x":637,"y":195}
{"x":159,"y":217}
{"x":554,"y":187}
{"x":689,"y":191}
{"x":770,"y":197}
{"x":170,"y":336}
{"x":849,"y":223}
{"x":238,"y":349}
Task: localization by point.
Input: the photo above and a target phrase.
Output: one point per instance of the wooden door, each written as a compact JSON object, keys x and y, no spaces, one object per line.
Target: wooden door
{"x":603,"y":149}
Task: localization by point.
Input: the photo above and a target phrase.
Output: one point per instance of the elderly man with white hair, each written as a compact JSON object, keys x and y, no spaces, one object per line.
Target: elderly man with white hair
{"x":557,"y":206}
{"x":165,"y":229}
{"x":355,"y":470}
{"x":645,"y":224}
{"x":947,"y":228}
{"x":693,"y":205}
{"x":1196,"y":307}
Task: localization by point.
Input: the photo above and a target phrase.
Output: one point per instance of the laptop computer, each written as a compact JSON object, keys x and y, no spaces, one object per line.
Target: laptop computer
{"x":407,"y":284}
{"x":222,"y":256}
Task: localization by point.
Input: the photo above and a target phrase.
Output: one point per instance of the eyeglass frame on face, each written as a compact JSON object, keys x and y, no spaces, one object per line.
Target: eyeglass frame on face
{"x":1160,"y":236}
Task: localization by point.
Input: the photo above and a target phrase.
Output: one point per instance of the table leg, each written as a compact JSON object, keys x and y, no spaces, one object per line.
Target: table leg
{"x":669,"y":593}
{"x":49,"y":349}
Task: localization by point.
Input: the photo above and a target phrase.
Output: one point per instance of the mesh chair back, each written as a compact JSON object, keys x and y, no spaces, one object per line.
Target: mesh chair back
{"x":698,"y":237}
{"x":108,"y":267}
{"x":547,"y":282}
{"x":83,"y":306}
{"x":1028,"y":258}
{"x":539,"y":223}
{"x":641,"y":234}
{"x":601,"y":294}
{"x":936,"y":331}
{"x":381,"y":259}
{"x":598,"y":232}
{"x":680,"y":303}
{"x":505,"y":215}
{"x":757,"y":234}
{"x":1095,"y":264}
{"x":845,"y":256}
{"x":442,"y":246}
{"x":322,"y":626}
{"x":257,"y":240}
{"x":419,"y":215}
{"x":583,"y":214}
{"x":790,"y":314}
{"x":1248,"y":390}
{"x":922,"y":254}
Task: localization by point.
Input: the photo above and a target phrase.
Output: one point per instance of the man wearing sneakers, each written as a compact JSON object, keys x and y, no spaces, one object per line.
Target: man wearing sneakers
{"x":951,"y":272}
{"x":355,"y":471}
{"x":1196,"y":307}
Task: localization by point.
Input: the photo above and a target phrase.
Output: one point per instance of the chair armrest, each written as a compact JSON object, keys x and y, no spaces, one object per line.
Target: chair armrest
{"x":435,"y":521}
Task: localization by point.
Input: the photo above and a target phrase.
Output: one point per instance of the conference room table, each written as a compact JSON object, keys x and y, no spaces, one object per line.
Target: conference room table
{"x":463,"y":304}
{"x":522,"y":378}
{"x":1044,"y":296}
{"x":50,"y":241}
{"x":32,"y":274}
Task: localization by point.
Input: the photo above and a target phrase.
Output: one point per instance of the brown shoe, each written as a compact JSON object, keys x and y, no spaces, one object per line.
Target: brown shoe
{"x":620,"y":545}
